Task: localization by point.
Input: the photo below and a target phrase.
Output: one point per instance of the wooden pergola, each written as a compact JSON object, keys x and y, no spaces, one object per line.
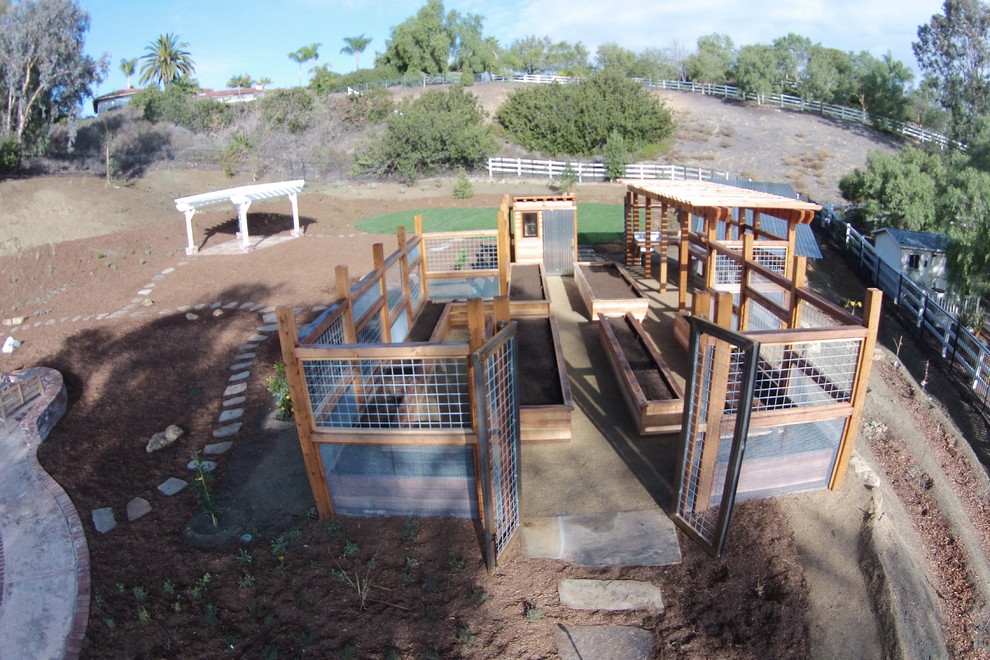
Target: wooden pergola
{"x":241,"y":197}
{"x":726,"y":213}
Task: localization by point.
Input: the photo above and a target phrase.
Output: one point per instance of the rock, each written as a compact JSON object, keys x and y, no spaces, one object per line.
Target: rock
{"x":15,"y":320}
{"x":158,"y":441}
{"x":171,"y":486}
{"x":103,"y":520}
{"x":173,"y":432}
{"x":230,"y":415}
{"x":272,"y":327}
{"x":611,"y":595}
{"x":147,"y":302}
{"x":227,"y":431}
{"x":628,"y":642}
{"x":235,"y":389}
{"x":241,"y":366}
{"x":192,"y":317}
{"x":235,"y":401}
{"x":218,"y":448}
{"x":218,"y":312}
{"x":240,"y":376}
{"x":206,"y":466}
{"x":269,"y":317}
{"x":137,"y":508}
{"x":10,"y":345}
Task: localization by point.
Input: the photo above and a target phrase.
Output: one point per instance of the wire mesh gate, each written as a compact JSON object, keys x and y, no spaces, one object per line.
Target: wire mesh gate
{"x":498,"y":440}
{"x":716,"y":410}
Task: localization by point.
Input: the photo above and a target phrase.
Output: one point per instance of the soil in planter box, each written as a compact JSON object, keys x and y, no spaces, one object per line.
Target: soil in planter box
{"x":606,"y":282}
{"x":426,"y":322}
{"x":526,"y":283}
{"x":654,"y":387}
{"x":538,"y":382}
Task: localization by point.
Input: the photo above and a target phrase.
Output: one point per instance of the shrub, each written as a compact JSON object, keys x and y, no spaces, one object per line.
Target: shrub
{"x":578,"y":119}
{"x":463,"y":188}
{"x":8,"y":155}
{"x":616,"y":156}
{"x":568,"y":177}
{"x":287,"y":109}
{"x":440,"y":129}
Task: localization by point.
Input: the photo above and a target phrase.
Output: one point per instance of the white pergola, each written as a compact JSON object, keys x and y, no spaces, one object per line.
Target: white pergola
{"x":241,"y":197}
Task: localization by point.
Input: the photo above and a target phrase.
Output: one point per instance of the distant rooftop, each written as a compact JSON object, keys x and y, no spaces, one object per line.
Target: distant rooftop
{"x":917,"y":240}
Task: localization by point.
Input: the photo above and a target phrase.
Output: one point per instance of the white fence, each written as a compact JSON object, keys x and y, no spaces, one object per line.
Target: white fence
{"x":966,"y":356}
{"x":596,"y":171}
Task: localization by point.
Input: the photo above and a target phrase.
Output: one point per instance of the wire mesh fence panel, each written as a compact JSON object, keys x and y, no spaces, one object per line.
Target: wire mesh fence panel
{"x":789,"y":458}
{"x":716,"y":412}
{"x":415,"y":287}
{"x":806,"y":374}
{"x":727,"y":270}
{"x":371,"y":332}
{"x":498,"y":440}
{"x":761,"y":318}
{"x":333,"y":333}
{"x":445,"y":253}
{"x":815,"y":317}
{"x":389,"y":393}
{"x":393,"y":286}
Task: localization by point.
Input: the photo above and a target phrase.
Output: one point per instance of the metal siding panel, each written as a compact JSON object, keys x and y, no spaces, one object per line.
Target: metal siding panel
{"x":558,"y":241}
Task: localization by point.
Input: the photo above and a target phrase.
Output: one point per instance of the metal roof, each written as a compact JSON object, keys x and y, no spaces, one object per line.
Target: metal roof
{"x":917,"y":240}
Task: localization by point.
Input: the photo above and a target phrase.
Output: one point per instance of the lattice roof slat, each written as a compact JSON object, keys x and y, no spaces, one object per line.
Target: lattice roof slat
{"x":240,"y":194}
{"x":708,"y":195}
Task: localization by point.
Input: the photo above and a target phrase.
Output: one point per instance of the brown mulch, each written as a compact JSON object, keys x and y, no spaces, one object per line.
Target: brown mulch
{"x":606,"y":282}
{"x":525,"y":283}
{"x":651,"y":382}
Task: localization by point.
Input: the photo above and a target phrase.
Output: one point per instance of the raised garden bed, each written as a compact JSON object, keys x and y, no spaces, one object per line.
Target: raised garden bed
{"x":544,"y":392}
{"x":528,"y":291}
{"x":654,"y":398}
{"x":608,"y":289}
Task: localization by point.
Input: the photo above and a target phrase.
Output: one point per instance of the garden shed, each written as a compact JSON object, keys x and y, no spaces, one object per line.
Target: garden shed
{"x":920,"y":255}
{"x":544,"y":231}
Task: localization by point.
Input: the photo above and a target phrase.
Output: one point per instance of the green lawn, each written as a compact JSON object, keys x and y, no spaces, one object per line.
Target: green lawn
{"x":597,"y":223}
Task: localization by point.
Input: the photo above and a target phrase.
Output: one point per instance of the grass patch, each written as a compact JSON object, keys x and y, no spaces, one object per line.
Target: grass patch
{"x":597,"y":223}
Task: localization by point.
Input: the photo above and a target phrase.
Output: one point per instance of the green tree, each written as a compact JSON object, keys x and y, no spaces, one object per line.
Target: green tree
{"x":885,"y":91}
{"x":166,"y":61}
{"x":613,"y":56}
{"x":756,"y":70}
{"x":437,"y":131}
{"x":128,"y":67}
{"x":541,"y":55}
{"x":470,"y":50}
{"x":263,"y":82}
{"x":578,"y":119}
{"x":304,"y":54}
{"x":616,"y":156}
{"x":953,"y":53}
{"x":827,"y":75}
{"x":421,"y":43}
{"x":713,"y":60}
{"x":242,"y":81}
{"x":793,"y":53}
{"x":355,"y":46}
{"x":660,"y":63}
{"x":44,"y":73}
{"x":897,"y":190}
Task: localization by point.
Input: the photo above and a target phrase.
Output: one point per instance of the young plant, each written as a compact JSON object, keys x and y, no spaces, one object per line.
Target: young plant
{"x":143,"y":614}
{"x":533,"y":613}
{"x":201,"y":486}
{"x":278,"y":387}
{"x":244,"y":557}
{"x":246,"y":581}
{"x":409,"y":531}
{"x":465,"y":636}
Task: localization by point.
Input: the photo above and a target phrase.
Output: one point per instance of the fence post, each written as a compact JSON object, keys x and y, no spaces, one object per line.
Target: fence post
{"x":922,"y":308}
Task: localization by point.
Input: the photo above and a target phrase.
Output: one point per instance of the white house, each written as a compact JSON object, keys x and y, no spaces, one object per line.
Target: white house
{"x":919,"y":255}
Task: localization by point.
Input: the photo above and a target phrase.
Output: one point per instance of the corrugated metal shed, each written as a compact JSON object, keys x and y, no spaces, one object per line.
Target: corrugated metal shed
{"x":917,"y":240}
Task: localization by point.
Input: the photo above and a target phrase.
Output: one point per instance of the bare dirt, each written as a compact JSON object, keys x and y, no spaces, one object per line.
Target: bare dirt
{"x":79,"y":248}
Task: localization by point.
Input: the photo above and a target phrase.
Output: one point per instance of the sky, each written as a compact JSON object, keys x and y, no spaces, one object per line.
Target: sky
{"x":233,"y":37}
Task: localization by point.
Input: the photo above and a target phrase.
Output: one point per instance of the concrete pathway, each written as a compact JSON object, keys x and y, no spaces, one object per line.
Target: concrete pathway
{"x":44,"y":561}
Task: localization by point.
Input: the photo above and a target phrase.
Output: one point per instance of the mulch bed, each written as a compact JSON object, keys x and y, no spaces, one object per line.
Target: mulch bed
{"x":538,"y":380}
{"x":606,"y":282}
{"x":525,"y":283}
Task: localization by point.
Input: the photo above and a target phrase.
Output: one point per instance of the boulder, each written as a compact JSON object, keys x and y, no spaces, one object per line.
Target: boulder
{"x":164,"y":438}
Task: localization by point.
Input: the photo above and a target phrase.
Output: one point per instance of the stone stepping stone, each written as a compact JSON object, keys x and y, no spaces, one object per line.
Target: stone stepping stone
{"x":268,"y":310}
{"x":247,"y":347}
{"x":143,"y":292}
{"x":320,"y":308}
{"x":200,"y":306}
{"x":625,"y":538}
{"x":183,"y":308}
{"x":227,"y":431}
{"x":171,"y":486}
{"x":240,"y":376}
{"x":215,"y":305}
{"x":269,"y":317}
{"x":192,"y":317}
{"x":137,"y":508}
{"x":585,"y":642}
{"x":206,"y":466}
{"x":245,"y":305}
{"x":257,"y":337}
{"x":235,"y":401}
{"x":103,"y":519}
{"x":235,"y":389}
{"x":231,"y":415}
{"x":246,"y":356}
{"x":231,"y":305}
{"x":241,"y":365}
{"x":168,"y":270}
{"x":218,"y":448}
{"x":272,"y":327}
{"x":611,"y":595}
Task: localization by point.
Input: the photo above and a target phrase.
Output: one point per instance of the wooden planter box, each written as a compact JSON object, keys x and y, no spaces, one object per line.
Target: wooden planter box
{"x":545,"y":401}
{"x":528,"y":291}
{"x":607,"y":289}
{"x":654,"y":398}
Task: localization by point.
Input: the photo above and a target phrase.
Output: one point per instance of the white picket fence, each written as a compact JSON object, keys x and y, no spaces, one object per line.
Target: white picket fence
{"x":596,"y":171}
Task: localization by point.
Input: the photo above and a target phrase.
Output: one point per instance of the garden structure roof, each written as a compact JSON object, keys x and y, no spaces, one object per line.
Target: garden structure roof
{"x":714,"y":200}
{"x":241,"y":197}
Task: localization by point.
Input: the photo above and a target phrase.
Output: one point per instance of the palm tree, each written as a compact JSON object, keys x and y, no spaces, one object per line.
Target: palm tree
{"x":127,"y":67}
{"x":263,"y":82}
{"x":305,"y":54}
{"x":240,"y":82}
{"x":355,"y":46}
{"x":166,"y":60}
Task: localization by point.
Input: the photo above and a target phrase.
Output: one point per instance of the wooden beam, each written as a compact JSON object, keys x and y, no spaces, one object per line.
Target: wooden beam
{"x":504,"y":253}
{"x":723,"y":310}
{"x":343,"y":290}
{"x":302,"y":411}
{"x":378,"y":257}
{"x":872,"y":306}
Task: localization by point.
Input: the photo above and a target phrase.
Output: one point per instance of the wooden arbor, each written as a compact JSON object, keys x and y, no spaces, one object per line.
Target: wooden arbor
{"x":814,"y":357}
